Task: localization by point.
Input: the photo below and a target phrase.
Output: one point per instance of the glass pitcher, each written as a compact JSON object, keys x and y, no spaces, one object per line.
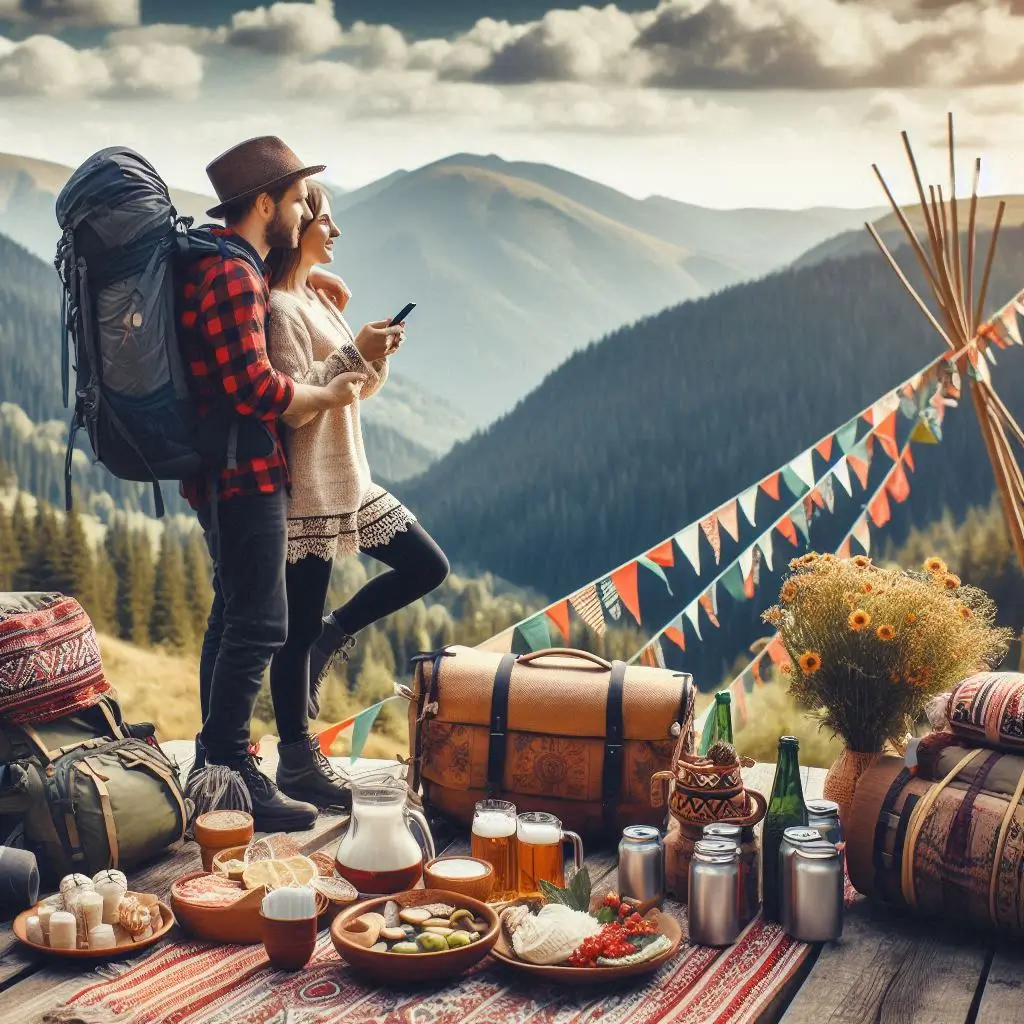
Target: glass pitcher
{"x":380,"y":854}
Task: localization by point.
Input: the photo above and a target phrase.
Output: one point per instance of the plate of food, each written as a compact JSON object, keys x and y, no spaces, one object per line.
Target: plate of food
{"x":568,"y":937}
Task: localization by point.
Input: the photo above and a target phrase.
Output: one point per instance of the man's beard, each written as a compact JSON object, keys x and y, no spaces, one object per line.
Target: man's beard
{"x":278,"y":233}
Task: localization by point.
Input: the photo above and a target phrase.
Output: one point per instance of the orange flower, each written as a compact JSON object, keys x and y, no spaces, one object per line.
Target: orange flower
{"x":861,"y":561}
{"x":885,"y":632}
{"x":951,"y":582}
{"x":810,"y":662}
{"x":867,"y":588}
{"x":965,"y":612}
{"x":789,"y":591}
{"x":910,"y":619}
{"x":859,"y":620}
{"x":935,"y":565}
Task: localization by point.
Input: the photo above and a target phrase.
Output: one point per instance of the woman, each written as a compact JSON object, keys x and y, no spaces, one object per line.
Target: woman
{"x":334,"y":507}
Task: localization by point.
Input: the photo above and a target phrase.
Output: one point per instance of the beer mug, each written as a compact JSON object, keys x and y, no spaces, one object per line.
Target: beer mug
{"x":540,"y":838}
{"x":494,"y":840}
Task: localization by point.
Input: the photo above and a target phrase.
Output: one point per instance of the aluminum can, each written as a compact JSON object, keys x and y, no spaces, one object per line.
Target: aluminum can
{"x":824,"y":816}
{"x":642,"y":865}
{"x":791,"y":839}
{"x":750,"y":864}
{"x":812,"y":893}
{"x":714,"y":898}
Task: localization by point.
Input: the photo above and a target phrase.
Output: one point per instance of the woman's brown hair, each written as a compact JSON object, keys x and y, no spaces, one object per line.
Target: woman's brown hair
{"x":281,"y":262}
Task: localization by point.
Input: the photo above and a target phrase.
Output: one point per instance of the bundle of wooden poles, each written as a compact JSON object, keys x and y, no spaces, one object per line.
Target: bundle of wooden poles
{"x":949,"y":265}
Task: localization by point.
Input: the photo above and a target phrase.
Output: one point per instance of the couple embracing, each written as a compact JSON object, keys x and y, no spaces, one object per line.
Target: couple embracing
{"x":269,"y":334}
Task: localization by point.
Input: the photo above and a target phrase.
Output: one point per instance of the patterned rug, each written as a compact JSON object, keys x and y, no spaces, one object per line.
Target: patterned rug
{"x":193,"y":983}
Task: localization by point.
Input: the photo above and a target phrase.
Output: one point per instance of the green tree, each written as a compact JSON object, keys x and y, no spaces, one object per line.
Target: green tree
{"x":143,"y":579}
{"x":24,"y":534}
{"x":104,"y":607}
{"x":170,"y":620}
{"x":41,"y":569}
{"x":75,"y":566}
{"x":198,"y":589}
{"x":10,"y":560}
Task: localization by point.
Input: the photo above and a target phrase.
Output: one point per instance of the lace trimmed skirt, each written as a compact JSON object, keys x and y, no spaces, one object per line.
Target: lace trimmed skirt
{"x":375,"y":524}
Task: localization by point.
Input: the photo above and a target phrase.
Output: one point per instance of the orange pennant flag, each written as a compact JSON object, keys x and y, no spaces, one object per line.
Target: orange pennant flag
{"x":816,"y":497}
{"x":879,"y":510}
{"x":559,"y":615}
{"x":824,"y":448}
{"x":861,"y":467}
{"x":663,"y":554}
{"x":648,"y":657}
{"x":788,"y":530}
{"x":770,"y":485}
{"x":328,"y":736}
{"x":898,"y":484}
{"x":845,"y":551}
{"x":886,"y":434}
{"x":756,"y":669}
{"x":908,"y":458}
{"x":625,"y":583}
{"x":869,"y":416}
{"x":710,"y":528}
{"x":708,"y":605}
{"x":728,"y":517}
{"x":777,"y":652}
{"x":677,"y":637}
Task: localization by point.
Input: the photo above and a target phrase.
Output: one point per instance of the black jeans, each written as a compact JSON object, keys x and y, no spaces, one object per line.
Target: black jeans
{"x":416,"y":567}
{"x":248,"y":622}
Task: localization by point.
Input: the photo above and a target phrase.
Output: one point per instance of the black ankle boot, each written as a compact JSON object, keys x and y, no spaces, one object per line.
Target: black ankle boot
{"x":303,"y":773}
{"x":333,"y":643}
{"x":199,"y":763}
{"x":272,"y":811}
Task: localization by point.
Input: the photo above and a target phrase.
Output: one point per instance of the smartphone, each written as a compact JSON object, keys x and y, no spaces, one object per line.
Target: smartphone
{"x":400,"y":318}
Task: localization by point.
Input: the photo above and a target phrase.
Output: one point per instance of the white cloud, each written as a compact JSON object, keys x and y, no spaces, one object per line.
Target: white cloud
{"x":77,"y":13}
{"x":172,"y":35}
{"x":46,"y":66}
{"x":287,"y":28}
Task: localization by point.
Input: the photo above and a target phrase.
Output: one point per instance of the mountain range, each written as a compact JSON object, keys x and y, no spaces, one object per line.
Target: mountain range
{"x":514,"y":265}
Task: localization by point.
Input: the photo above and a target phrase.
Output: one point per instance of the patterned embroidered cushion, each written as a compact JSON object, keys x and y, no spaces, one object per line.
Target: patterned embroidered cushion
{"x":49,"y":658}
{"x":988,"y":708}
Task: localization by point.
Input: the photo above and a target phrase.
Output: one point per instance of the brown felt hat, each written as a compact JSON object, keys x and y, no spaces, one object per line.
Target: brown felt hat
{"x":254,"y":166}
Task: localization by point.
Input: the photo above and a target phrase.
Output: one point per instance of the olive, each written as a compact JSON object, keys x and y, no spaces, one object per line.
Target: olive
{"x":457,"y":939}
{"x":461,"y":915}
{"x":405,"y":947}
{"x":430,"y":943}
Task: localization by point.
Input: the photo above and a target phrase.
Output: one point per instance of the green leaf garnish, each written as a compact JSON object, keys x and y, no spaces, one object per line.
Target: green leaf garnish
{"x":576,"y":895}
{"x":643,"y":940}
{"x":606,"y":915}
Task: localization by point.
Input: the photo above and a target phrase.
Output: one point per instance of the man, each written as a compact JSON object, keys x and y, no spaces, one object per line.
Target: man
{"x":261,"y":185}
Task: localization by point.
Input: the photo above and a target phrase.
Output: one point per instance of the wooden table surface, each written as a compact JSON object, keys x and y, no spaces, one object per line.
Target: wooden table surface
{"x":887,"y":969}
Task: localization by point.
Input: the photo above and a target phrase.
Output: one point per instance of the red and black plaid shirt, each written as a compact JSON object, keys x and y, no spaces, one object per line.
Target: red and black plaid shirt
{"x":223,"y":314}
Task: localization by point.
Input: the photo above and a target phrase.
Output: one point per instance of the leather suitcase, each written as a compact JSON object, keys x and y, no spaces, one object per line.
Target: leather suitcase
{"x":559,"y":730}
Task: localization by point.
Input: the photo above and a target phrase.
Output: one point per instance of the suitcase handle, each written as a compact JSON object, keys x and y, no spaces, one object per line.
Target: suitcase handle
{"x":565,"y":652}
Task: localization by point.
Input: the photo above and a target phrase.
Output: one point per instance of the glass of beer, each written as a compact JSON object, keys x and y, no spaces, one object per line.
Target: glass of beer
{"x":540,"y":838}
{"x":494,"y":840}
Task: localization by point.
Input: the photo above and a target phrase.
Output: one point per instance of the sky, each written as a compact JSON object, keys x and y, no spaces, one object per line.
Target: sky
{"x":724,"y":103}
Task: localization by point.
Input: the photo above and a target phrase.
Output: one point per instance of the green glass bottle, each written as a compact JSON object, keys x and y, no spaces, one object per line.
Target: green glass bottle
{"x":785,"y":810}
{"x":723,"y":717}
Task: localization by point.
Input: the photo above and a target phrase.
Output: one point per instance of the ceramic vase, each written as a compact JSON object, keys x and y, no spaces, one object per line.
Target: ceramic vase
{"x":842,"y":778}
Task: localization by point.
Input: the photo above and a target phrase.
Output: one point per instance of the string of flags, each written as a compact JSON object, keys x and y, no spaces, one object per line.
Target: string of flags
{"x":360,"y":723}
{"x":922,"y":398}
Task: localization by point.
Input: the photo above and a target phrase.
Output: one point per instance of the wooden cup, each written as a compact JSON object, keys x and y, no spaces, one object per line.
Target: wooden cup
{"x":289,"y":944}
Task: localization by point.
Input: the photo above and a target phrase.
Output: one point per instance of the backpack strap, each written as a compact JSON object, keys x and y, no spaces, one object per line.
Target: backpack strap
{"x":100,"y":782}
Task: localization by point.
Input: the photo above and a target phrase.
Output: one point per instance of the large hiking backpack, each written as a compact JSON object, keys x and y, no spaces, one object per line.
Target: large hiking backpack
{"x":122,"y":242}
{"x":78,"y":786}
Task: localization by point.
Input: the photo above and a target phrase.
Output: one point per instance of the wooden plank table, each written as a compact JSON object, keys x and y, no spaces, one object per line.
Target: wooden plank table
{"x":886,"y":968}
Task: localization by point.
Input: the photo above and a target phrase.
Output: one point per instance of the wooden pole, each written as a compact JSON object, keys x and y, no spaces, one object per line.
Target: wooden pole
{"x":957,"y":261}
{"x":954,"y":301}
{"x":971,"y":222}
{"x":980,"y":308}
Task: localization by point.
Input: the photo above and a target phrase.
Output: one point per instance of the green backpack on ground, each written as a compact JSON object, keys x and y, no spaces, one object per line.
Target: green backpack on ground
{"x":86,"y":792}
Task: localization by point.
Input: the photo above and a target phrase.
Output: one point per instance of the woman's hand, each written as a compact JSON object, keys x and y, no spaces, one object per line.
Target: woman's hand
{"x":331,"y":285}
{"x":377,"y":340}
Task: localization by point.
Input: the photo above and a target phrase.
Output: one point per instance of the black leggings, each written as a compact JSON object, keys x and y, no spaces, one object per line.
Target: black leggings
{"x":416,"y":567}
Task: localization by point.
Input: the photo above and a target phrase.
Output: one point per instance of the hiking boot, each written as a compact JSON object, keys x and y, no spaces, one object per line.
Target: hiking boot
{"x":303,"y":773}
{"x":332,"y":644}
{"x":199,"y":763}
{"x":272,"y":811}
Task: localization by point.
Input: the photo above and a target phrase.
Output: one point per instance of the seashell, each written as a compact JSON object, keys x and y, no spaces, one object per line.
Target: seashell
{"x":152,"y":904}
{"x":133,"y":916}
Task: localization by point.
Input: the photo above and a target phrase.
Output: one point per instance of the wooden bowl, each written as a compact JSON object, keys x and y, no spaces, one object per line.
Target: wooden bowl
{"x":238,"y":924}
{"x":122,"y":949}
{"x":477,"y":887}
{"x":396,"y":969}
{"x":222,"y":856}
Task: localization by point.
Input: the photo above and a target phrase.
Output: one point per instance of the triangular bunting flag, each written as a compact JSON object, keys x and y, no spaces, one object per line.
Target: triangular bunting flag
{"x":816,"y":499}
{"x":559,"y":615}
{"x":1009,"y":319}
{"x":710,"y":528}
{"x":770,"y":485}
{"x":748,"y":680}
{"x":587,"y":606}
{"x":663,"y":554}
{"x":846,"y":436}
{"x":828,"y":493}
{"x":885,"y":407}
{"x":656,"y":569}
{"x":733,"y":582}
{"x":755,"y":668}
{"x":801,"y":522}
{"x":625,"y":580}
{"x":885,"y":431}
{"x":793,"y":481}
{"x":692,"y":612}
{"x":898,"y":484}
{"x":753,"y":577}
{"x":689,"y":543}
{"x":841,"y":471}
{"x":676,"y":634}
{"x":361,"y":728}
{"x":709,"y":602}
{"x":746,"y":561}
{"x":764,"y":544}
{"x":788,"y":530}
{"x":860,"y":460}
{"x":748,"y":502}
{"x":861,"y":533}
{"x":908,"y":458}
{"x":808,"y":506}
{"x":878,"y":508}
{"x":610,"y":599}
{"x":533,"y":634}
{"x":652,"y":655}
{"x":728,"y":518}
{"x":922,"y":433}
{"x":824,"y":447}
{"x":777,"y":651}
{"x":844,"y":549}
{"x":803,"y":466}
